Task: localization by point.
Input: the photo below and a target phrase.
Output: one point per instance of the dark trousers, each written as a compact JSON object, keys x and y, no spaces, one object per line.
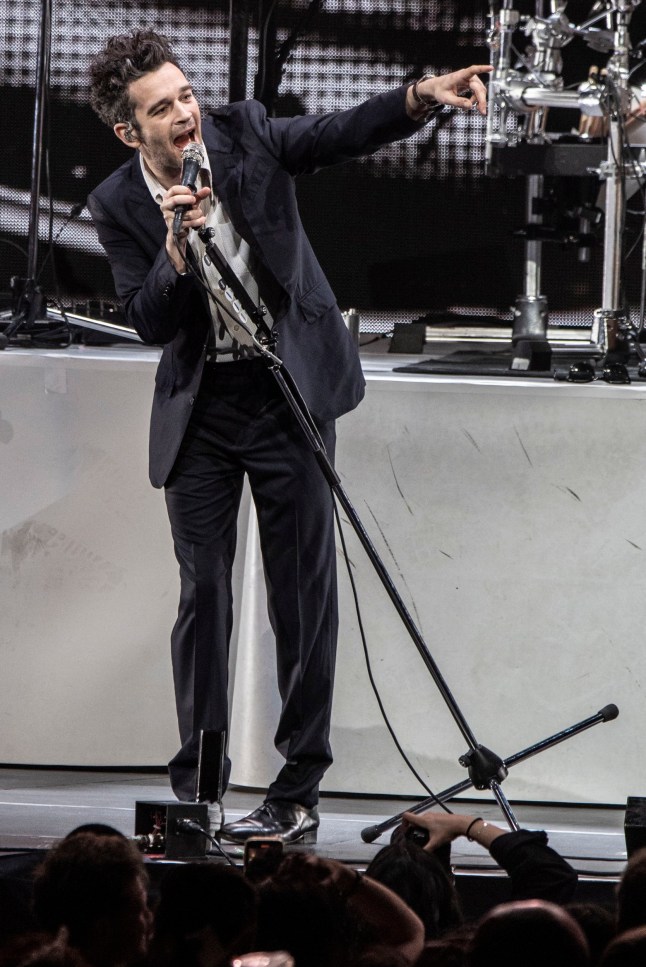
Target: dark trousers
{"x":242,"y":425}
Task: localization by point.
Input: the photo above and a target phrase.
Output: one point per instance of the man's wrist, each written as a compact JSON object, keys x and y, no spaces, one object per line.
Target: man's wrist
{"x":420,"y":106}
{"x":423,"y":101}
{"x":177,"y":259}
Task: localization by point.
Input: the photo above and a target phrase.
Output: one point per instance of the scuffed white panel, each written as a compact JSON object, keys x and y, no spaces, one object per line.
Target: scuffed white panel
{"x":88,"y":578}
{"x":509,"y":515}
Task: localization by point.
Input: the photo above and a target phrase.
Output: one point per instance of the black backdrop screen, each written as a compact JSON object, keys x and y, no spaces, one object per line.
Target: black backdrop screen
{"x":416,"y":228}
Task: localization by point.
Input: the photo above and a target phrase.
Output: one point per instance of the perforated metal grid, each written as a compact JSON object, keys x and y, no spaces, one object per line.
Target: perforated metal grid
{"x":354,"y":49}
{"x":200,"y":35}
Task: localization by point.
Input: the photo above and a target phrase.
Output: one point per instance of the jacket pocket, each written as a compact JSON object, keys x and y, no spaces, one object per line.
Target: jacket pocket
{"x":316,"y":301}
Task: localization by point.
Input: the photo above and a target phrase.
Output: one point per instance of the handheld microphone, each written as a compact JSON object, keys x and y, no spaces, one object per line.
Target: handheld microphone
{"x":192,"y":158}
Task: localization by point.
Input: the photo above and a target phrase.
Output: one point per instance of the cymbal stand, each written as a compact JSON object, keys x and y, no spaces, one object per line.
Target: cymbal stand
{"x":610,"y":328}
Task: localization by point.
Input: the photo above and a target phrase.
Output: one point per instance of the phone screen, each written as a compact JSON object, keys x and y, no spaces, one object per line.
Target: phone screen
{"x":262,"y":856}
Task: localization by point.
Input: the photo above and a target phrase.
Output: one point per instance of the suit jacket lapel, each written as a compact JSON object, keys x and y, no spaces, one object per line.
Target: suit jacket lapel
{"x":226,"y":170}
{"x":145,"y":209}
{"x":227,"y":167}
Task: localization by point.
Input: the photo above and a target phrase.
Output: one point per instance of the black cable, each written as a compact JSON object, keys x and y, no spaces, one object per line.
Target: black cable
{"x":190,"y":826}
{"x":371,"y":678}
{"x":369,"y":342}
{"x":74,"y":212}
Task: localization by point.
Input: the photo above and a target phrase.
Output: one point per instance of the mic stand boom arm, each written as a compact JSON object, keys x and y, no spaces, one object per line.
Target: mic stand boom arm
{"x":262,"y":337}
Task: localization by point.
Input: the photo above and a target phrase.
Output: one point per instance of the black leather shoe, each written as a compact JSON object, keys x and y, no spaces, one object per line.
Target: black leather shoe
{"x":276,"y":817}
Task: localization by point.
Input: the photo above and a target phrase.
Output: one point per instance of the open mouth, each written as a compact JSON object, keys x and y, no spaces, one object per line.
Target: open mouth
{"x":183,"y":139}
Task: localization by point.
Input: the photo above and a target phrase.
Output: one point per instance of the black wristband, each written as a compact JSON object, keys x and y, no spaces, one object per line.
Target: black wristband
{"x":478,"y":819}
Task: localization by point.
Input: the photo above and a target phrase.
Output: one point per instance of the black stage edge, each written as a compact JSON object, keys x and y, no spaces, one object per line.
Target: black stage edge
{"x":39,"y":806}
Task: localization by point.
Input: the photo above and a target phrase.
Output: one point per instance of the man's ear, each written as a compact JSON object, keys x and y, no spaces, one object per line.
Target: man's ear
{"x":126,"y":133}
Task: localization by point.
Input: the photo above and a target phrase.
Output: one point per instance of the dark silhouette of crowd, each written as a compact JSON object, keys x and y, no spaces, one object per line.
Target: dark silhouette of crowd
{"x":92,"y":903}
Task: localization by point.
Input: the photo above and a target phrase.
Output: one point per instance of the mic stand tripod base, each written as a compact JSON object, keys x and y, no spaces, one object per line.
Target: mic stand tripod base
{"x":28,"y":306}
{"x":487,"y":771}
{"x":475,"y":758}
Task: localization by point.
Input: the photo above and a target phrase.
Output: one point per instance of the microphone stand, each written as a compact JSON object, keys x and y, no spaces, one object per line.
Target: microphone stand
{"x":486,"y":769}
{"x":27,"y":296}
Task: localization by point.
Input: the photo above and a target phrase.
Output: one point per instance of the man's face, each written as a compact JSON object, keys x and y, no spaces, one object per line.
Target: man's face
{"x":168,"y":118}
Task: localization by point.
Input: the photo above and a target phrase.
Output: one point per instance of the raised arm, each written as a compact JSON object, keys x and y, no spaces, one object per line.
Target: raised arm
{"x":535,"y":869}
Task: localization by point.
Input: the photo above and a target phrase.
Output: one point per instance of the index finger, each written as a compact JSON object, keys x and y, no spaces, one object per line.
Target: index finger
{"x":414,"y":819}
{"x":477,"y":69}
{"x":477,"y":88}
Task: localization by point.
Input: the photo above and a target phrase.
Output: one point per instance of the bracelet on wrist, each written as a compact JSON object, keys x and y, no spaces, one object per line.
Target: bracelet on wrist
{"x":478,"y":819}
{"x":423,"y":101}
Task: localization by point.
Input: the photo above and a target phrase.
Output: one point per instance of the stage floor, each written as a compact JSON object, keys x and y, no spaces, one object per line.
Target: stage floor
{"x":39,"y":806}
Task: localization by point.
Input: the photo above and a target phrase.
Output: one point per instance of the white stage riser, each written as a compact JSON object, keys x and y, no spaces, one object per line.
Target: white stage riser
{"x":508,"y":513}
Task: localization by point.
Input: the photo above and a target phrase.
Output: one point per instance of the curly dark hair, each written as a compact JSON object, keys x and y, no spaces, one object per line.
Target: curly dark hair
{"x":125,"y":58}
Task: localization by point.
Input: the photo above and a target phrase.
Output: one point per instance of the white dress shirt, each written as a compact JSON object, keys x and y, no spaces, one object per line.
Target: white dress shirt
{"x":230,"y":341}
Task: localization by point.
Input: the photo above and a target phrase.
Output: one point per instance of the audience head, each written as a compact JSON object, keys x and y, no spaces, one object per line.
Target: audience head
{"x":299,"y":913}
{"x":447,"y":952}
{"x":533,"y":933}
{"x":626,"y":950}
{"x":96,"y":887}
{"x":206,"y":915}
{"x":631,"y":893}
{"x":99,"y":829}
{"x":422,"y":881}
{"x":598,"y":924}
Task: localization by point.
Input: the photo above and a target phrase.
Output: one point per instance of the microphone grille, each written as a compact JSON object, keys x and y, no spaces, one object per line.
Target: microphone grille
{"x":193,"y":152}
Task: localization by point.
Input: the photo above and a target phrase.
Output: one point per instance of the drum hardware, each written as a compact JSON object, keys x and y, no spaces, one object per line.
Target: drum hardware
{"x":520,"y":96}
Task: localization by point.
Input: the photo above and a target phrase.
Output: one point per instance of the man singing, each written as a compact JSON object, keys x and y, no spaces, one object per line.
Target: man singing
{"x":218,"y":412}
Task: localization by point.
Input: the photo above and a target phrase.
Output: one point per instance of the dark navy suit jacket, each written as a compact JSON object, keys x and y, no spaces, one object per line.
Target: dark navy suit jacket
{"x":254,"y":160}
